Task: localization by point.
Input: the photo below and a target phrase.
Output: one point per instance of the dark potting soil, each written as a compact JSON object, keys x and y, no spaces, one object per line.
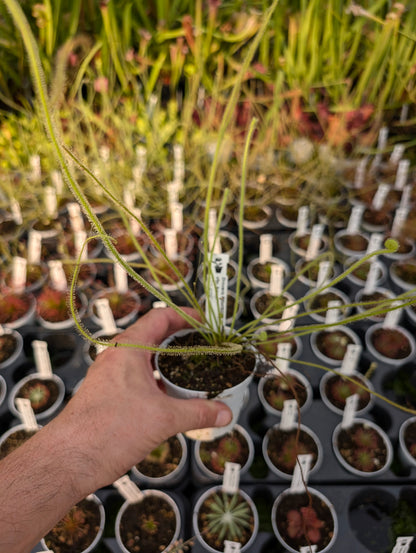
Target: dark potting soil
{"x":302,"y":242}
{"x":391,"y":343}
{"x":362,"y":447}
{"x":76,"y":530}
{"x":92,"y":350}
{"x":14,"y":441}
{"x":278,"y":389}
{"x":322,"y":300}
{"x":210,"y":373}
{"x":373,"y":300}
{"x":337,"y":389}
{"x":148,"y":526}
{"x":8,"y":345}
{"x":163,"y":459}
{"x":285,"y":445}
{"x":304,"y":519}
{"x":354,"y":242}
{"x":42,"y":393}
{"x":232,"y":448}
{"x":333,"y":343}
{"x":273,"y":303}
{"x":262,"y":271}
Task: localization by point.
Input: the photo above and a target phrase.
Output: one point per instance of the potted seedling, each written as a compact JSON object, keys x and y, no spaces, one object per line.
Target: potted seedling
{"x":225,"y":513}
{"x":164,"y":466}
{"x":336,"y":386}
{"x":209,"y":459}
{"x":302,"y":516}
{"x":403,"y":274}
{"x":80,"y":530}
{"x":147,"y":521}
{"x":360,"y":445}
{"x":44,"y":389}
{"x":388,"y":341}
{"x":284,"y":441}
{"x":20,"y":433}
{"x":282,"y":383}
{"x":259,"y":269}
{"x":351,"y":241}
{"x":16,"y":308}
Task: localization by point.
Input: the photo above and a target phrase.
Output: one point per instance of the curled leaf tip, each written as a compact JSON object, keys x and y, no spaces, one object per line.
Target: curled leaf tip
{"x":391,"y":245}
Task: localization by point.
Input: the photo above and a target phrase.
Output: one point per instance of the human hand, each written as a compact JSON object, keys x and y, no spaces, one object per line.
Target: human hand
{"x":120,"y":413}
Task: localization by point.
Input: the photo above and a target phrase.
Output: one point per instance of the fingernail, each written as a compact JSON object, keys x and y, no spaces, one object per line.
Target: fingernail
{"x":223,"y":417}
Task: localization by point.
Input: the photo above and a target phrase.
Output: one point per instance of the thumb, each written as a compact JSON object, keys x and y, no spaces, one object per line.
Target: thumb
{"x":191,"y":414}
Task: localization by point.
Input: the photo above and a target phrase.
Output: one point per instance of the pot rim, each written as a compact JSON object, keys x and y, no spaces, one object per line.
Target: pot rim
{"x":335,"y":409}
{"x":403,"y":448}
{"x":243,"y":469}
{"x":299,"y":376}
{"x":149,"y":492}
{"x":323,"y":498}
{"x":171,"y":476}
{"x":52,"y":409}
{"x":354,"y":470}
{"x":210,"y":491}
{"x":329,"y":360}
{"x":94,"y":543}
{"x":274,"y":468}
{"x":382,"y":358}
{"x":18,"y":350}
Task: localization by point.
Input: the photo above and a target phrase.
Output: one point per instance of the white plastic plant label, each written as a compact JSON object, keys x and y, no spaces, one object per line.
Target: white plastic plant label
{"x":381,"y":145}
{"x":309,"y":548}
{"x":231,"y":478}
{"x":289,"y":414}
{"x":372,"y":277}
{"x":42,"y":359}
{"x":399,"y":220}
{"x":405,"y":200}
{"x":333,"y":312}
{"x":128,"y":197}
{"x":302,"y":221}
{"x":314,"y":242}
{"x":141,"y":156}
{"x":214,"y":243}
{"x":2,"y":330}
{"x":35,"y":168}
{"x":216,"y":298}
{"x":284,"y":350}
{"x":375,"y":242}
{"x":26,"y":413}
{"x":57,"y":275}
{"x":276,"y":279}
{"x":34,"y":247}
{"x":360,"y":173}
{"x":212,"y":221}
{"x":81,"y":250}
{"x":171,"y":243}
{"x":173,"y":192}
{"x":104,"y":152}
{"x":176,"y":214}
{"x":57,"y":182}
{"x":232,"y":546}
{"x":397,"y":153}
{"x":351,"y":404}
{"x":128,"y":489}
{"x":301,"y":473}
{"x":402,"y":544}
{"x":178,"y":164}
{"x":380,"y":196}
{"x":404,"y":113}
{"x":19,"y":268}
{"x":51,"y":204}
{"x":106,"y":316}
{"x":16,"y":212}
{"x":266,"y":248}
{"x":288,"y":318}
{"x":75,"y":217}
{"x":134,"y":223}
{"x":354,"y":221}
{"x":351,"y":358}
{"x":392,"y":318}
{"x":402,"y":174}
{"x":159,"y":304}
{"x":323,"y":273}
{"x":120,"y":279}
